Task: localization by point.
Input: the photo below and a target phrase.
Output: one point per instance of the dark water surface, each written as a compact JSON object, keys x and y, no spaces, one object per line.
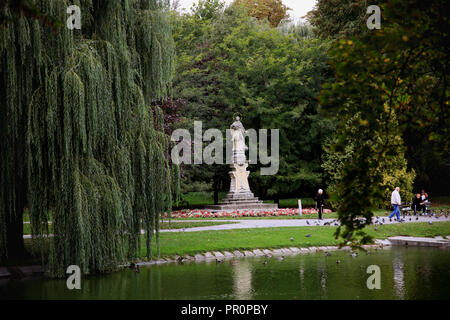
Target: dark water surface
{"x":406,"y":273}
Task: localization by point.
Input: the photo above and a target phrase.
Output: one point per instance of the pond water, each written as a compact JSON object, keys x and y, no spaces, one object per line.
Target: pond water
{"x":406,"y":273}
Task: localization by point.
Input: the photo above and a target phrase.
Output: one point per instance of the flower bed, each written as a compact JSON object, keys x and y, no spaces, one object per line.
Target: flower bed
{"x":183,"y":214}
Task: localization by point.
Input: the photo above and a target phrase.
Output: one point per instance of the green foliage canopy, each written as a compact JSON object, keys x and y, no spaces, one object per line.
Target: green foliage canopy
{"x":399,"y":72}
{"x":233,"y":64}
{"x":272,"y":11}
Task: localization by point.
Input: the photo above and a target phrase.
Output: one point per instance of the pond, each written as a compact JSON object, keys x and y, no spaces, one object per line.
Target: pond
{"x":406,"y":273}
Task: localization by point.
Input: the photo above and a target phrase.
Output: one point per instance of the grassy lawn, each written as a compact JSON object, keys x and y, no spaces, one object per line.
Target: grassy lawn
{"x":270,"y":238}
{"x":163,"y":225}
{"x":201,"y":198}
{"x":443,"y":201}
{"x":245,"y":239}
{"x":27,"y":228}
{"x":293,"y":203}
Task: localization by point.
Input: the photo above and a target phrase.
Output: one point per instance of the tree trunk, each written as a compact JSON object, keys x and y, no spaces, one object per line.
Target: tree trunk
{"x":216,"y":190}
{"x":14,"y":236}
{"x":18,"y":194}
{"x":14,"y":223}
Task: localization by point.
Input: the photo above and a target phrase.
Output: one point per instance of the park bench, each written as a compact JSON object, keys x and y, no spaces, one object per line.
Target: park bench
{"x":406,"y":208}
{"x":428,"y":207}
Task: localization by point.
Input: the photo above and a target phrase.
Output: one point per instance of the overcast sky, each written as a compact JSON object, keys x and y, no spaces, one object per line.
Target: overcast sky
{"x":299,"y":7}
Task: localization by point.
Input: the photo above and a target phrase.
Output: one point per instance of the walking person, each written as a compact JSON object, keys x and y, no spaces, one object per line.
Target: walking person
{"x":320,"y":203}
{"x":396,"y":201}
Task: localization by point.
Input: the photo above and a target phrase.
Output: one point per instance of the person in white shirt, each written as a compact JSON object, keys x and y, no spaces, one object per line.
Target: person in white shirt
{"x":425,"y":200}
{"x":396,"y":201}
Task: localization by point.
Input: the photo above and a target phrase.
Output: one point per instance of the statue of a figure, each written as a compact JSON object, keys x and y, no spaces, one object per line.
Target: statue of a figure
{"x":238,"y":138}
{"x":239,"y":173}
{"x":240,"y":195}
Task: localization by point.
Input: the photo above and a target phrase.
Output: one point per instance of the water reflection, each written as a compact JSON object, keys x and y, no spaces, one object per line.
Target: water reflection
{"x":242,"y":279}
{"x":399,"y":283}
{"x":322,"y":272}
{"x":301,"y":271}
{"x":406,"y":274}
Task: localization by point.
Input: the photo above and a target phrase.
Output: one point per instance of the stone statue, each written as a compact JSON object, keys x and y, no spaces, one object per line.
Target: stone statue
{"x":238,"y":138}
{"x":240,"y":196}
{"x":239,"y":173}
{"x":237,"y":125}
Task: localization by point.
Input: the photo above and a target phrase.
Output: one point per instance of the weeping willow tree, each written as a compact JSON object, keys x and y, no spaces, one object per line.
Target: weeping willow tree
{"x":82,"y":148}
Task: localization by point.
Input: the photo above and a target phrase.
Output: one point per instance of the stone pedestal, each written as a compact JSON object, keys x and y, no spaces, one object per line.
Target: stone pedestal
{"x":240,"y":196}
{"x":239,"y":180}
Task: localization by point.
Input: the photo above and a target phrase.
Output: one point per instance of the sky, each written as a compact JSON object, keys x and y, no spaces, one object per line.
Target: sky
{"x":299,"y":7}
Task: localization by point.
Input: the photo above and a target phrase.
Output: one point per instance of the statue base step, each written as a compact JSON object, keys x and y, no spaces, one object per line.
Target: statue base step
{"x":241,"y":201}
{"x":242,"y":206}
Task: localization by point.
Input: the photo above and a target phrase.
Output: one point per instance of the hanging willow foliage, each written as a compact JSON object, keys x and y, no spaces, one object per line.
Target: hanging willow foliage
{"x":82,"y":147}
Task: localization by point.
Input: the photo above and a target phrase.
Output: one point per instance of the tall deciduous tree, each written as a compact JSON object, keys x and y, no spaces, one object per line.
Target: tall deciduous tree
{"x":401,"y":72}
{"x":345,"y":18}
{"x":340,"y":18}
{"x":394,"y":171}
{"x":235,"y":65}
{"x":82,"y":146}
{"x":273,"y":11}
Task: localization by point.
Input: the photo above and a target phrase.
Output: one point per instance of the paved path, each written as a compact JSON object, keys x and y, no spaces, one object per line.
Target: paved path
{"x":277,"y":223}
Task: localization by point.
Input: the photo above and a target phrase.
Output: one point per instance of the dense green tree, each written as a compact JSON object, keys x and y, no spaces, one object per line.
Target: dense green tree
{"x":394,"y":172}
{"x":343,"y":18}
{"x":25,"y":8}
{"x":235,"y":65}
{"x":274,"y":80}
{"x":399,"y":71}
{"x":206,"y":10}
{"x":82,"y":146}
{"x":340,"y":18}
{"x":198,"y":81}
{"x":300,"y":30}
